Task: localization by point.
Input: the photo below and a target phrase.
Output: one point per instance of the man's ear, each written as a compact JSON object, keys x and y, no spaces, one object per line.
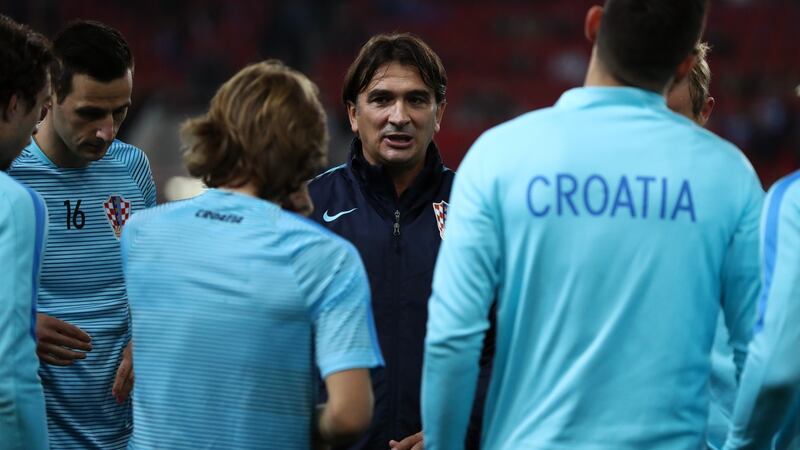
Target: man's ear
{"x":708,"y":106}
{"x":352,"y":115}
{"x":591,"y":25}
{"x":12,"y":107}
{"x":439,"y":114}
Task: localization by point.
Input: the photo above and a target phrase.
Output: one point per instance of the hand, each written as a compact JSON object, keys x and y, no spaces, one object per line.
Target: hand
{"x":413,"y":442}
{"x":123,"y":383}
{"x":57,"y":341}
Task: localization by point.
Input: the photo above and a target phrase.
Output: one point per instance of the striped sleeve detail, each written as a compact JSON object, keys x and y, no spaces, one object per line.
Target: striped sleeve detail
{"x":139,"y":167}
{"x":40,"y":211}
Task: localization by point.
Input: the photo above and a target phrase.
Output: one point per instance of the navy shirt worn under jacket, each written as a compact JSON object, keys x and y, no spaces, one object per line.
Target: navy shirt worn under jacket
{"x":398,"y":239}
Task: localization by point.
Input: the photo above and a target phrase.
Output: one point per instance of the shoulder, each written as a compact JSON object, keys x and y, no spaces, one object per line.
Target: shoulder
{"x":14,"y":193}
{"x":305,"y":235}
{"x":329,"y":185}
{"x":19,"y":202}
{"x":329,"y":178}
{"x":516,"y":133}
{"x":26,"y":159}
{"x":448,"y":174}
{"x":127,"y":154}
{"x":147,"y":217}
{"x":710,"y":142}
{"x":784,"y":191}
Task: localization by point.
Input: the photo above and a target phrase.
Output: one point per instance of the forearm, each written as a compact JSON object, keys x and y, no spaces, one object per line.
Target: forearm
{"x":349,"y":409}
{"x":448,"y":389}
{"x":338,"y":426}
{"x":761,"y":406}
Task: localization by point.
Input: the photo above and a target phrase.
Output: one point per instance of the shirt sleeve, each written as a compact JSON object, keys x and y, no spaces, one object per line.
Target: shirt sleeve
{"x":772,"y":374}
{"x":464,"y":286}
{"x":139,"y":167}
{"x":740,"y":274}
{"x":340,"y":308}
{"x":23,"y":225}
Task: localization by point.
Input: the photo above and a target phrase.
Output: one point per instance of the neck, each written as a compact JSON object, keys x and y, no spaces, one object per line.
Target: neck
{"x":54,"y":147}
{"x":247,"y":189}
{"x":598,"y":75}
{"x":403,"y":178}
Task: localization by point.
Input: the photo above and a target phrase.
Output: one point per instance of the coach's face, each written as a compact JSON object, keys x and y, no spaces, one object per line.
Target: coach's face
{"x":395,"y":117}
{"x":88,"y":118}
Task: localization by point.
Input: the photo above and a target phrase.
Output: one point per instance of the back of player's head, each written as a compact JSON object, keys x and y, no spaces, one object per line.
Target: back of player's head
{"x":89,"y":48}
{"x":642,"y":42}
{"x":403,"y":48}
{"x":700,"y":79}
{"x":24,"y":60}
{"x":266,"y":126}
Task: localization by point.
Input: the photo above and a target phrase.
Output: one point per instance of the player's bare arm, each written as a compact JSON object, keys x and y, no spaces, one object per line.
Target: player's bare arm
{"x":349,"y":409}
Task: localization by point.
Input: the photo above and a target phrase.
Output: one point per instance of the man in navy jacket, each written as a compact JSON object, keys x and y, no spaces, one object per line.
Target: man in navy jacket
{"x":390,"y":201}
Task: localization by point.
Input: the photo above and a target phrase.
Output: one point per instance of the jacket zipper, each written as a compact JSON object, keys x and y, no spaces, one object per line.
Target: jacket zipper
{"x":397,"y":223}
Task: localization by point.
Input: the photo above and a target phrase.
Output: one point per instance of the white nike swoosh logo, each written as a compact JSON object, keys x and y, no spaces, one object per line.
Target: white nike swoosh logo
{"x":328,"y":218}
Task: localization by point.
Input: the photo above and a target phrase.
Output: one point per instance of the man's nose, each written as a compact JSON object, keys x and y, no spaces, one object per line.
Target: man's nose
{"x":398,"y":115}
{"x":105,"y":131}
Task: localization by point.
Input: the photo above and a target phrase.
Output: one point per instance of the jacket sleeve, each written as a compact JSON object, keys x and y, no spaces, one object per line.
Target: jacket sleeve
{"x":771,"y":377}
{"x":740,"y":274}
{"x":464,"y":286}
{"x":23,"y":235}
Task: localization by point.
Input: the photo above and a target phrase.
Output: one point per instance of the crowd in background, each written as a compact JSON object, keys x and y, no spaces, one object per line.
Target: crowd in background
{"x":502,"y":58}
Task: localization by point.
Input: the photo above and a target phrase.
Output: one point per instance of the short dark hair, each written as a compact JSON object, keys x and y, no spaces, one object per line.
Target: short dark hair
{"x":25,"y":58}
{"x":90,"y":48}
{"x":265,"y":126}
{"x":404,"y":48}
{"x":642,"y":42}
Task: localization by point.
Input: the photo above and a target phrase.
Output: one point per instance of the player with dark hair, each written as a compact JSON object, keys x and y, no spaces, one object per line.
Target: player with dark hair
{"x":262,"y":294}
{"x":24,"y":87}
{"x":611,"y":231}
{"x":92,"y":183}
{"x":390,"y":201}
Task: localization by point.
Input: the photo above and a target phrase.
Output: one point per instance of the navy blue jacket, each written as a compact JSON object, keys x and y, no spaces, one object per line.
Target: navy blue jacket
{"x":398,"y":239}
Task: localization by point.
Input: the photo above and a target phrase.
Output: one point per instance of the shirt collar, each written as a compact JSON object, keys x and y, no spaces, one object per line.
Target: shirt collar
{"x":586,"y":97}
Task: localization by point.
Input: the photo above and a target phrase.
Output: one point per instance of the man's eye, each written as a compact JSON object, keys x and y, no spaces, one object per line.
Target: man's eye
{"x":90,"y":115}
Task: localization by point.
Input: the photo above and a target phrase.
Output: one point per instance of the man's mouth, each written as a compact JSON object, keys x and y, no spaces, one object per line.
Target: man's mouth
{"x":398,"y":140}
{"x":94,"y":146}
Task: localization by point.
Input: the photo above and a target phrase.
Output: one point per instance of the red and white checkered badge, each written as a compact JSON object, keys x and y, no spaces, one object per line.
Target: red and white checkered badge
{"x":118,"y":210}
{"x":440,"y":211}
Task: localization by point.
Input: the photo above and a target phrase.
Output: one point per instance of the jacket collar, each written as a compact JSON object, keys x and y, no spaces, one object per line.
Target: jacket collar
{"x":376,"y":181}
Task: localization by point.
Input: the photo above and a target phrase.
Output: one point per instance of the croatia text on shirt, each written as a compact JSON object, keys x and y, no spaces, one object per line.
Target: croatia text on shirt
{"x":634,"y":196}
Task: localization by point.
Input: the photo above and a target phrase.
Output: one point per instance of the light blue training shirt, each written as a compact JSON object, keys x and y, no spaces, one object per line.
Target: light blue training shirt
{"x":82,"y":284}
{"x":768,"y":398}
{"x":235,"y":303}
{"x":610,"y":230}
{"x":23,"y":233}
